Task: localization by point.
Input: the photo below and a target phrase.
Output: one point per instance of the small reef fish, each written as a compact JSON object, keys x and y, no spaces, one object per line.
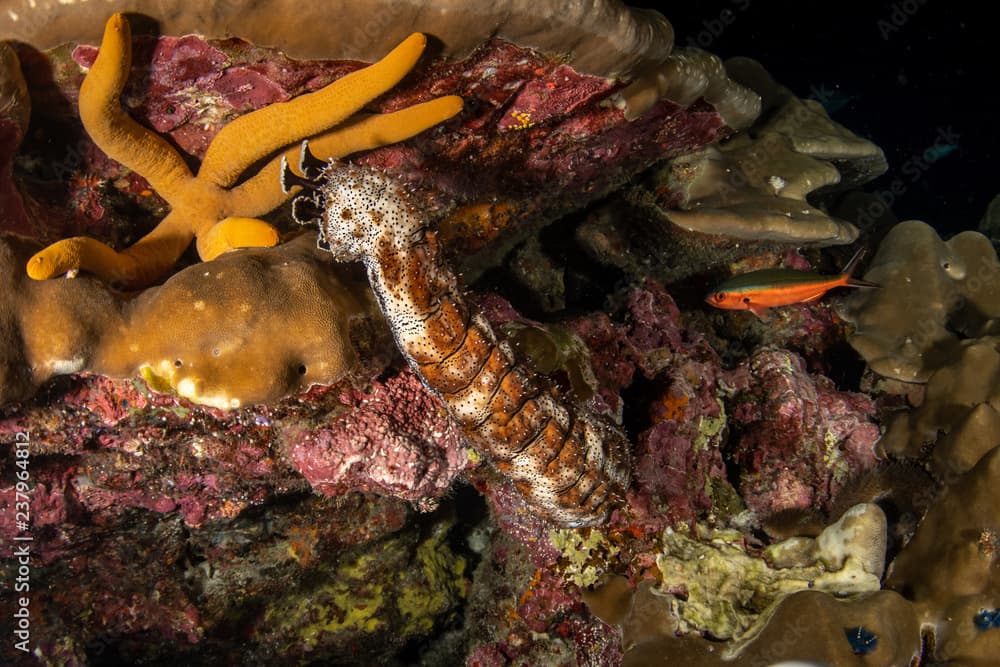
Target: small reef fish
{"x":759,"y":290}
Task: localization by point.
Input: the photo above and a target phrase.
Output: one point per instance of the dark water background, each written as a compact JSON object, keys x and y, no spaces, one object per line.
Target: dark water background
{"x":919,"y":78}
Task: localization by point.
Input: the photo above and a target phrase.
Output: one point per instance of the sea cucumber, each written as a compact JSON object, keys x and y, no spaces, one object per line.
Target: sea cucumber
{"x":571,"y":466}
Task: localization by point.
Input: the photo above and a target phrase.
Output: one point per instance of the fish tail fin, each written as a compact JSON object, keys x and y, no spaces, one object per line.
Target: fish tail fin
{"x":857,"y":282}
{"x":852,"y":264}
{"x":847,"y":274}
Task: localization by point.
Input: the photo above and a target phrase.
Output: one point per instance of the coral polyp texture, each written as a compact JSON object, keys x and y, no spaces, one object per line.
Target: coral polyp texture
{"x":786,"y":415}
{"x":397,"y":440}
{"x":479,"y":414}
{"x":712,"y":579}
{"x":959,"y":538}
{"x":959,"y":417}
{"x":232,"y":348}
{"x":907,"y":334}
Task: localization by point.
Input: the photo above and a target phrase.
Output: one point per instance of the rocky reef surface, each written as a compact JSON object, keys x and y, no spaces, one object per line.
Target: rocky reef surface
{"x":237,"y":465}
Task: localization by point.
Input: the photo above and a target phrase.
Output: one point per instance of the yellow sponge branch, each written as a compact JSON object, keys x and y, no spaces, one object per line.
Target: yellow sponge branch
{"x":201,"y":206}
{"x":231,"y":233}
{"x":283,"y":123}
{"x":257,"y":195}
{"x":113,"y":130}
{"x":140,"y":264}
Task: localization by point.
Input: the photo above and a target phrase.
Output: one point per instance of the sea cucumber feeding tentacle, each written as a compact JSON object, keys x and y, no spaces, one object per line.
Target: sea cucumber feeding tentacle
{"x":570,"y":466}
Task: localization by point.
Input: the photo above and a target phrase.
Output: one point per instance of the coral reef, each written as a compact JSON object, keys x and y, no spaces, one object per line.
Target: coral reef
{"x":47,"y":328}
{"x":187,"y":504}
{"x":530,"y":121}
{"x":809,"y":132}
{"x":753,"y":187}
{"x":401,"y":443}
{"x":799,"y":439}
{"x":206,"y":206}
{"x":958,"y":417}
{"x":296,"y":478}
{"x":233,"y":350}
{"x":949,"y":569}
{"x":720,"y":590}
{"x":368,"y":606}
{"x":906,"y":333}
{"x":607,"y":39}
{"x":873,"y":628}
{"x":989,"y":226}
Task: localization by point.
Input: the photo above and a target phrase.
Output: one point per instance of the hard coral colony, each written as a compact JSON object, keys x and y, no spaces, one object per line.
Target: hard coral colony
{"x":666,"y":483}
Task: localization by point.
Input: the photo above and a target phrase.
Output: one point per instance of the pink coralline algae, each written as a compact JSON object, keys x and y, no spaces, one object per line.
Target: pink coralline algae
{"x":680,"y":473}
{"x":524,"y":612}
{"x":799,"y":438}
{"x":179,"y":521}
{"x":396,"y":440}
{"x":539,"y":135}
{"x":679,"y":470}
{"x":114,"y":448}
{"x":641,"y":340}
{"x":118,"y":447}
{"x":130,"y":490}
{"x":536,"y":123}
{"x":190,"y":88}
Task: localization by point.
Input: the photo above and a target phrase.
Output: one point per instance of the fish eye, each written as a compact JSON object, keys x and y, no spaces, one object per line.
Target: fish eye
{"x":719,"y":296}
{"x":746,"y":299}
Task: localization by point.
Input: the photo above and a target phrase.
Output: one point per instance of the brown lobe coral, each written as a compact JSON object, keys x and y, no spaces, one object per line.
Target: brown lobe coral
{"x":251,"y":327}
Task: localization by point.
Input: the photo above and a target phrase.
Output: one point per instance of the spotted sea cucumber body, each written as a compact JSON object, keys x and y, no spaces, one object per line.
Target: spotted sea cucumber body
{"x":569,"y":465}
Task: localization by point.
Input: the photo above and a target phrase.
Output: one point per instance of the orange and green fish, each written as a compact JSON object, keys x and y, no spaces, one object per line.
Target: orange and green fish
{"x":759,"y":290}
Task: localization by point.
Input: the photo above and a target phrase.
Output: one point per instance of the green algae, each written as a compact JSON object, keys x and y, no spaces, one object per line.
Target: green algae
{"x":550,"y":348}
{"x":833,"y":456}
{"x":725,"y":501}
{"x":397,"y":590}
{"x":443,"y":584}
{"x":158,"y":384}
{"x":716,"y":586}
{"x":584,"y":554}
{"x":709,"y":428}
{"x":350,"y":601}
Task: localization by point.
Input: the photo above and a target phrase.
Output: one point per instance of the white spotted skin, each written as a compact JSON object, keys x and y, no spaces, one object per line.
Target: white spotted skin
{"x":572,"y":467}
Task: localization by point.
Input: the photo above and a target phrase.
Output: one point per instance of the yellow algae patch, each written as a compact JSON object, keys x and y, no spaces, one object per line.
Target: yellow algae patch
{"x":421,"y":602}
{"x":709,"y":428}
{"x":584,"y":554}
{"x":395,"y":591}
{"x":348,"y":603}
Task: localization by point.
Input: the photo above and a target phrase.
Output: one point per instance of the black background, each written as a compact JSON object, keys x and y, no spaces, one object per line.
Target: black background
{"x":903,"y":74}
